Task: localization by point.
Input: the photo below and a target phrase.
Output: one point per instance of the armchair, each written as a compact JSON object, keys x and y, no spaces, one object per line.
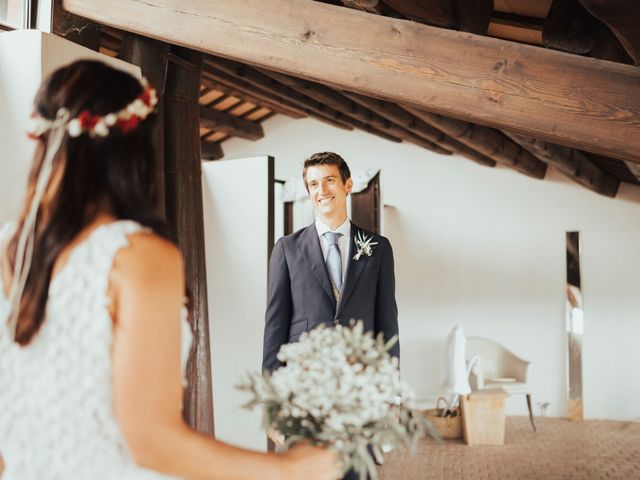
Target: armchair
{"x":498,"y":367}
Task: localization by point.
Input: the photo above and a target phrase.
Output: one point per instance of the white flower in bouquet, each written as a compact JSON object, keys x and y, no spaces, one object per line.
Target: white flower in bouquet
{"x":340,"y":386}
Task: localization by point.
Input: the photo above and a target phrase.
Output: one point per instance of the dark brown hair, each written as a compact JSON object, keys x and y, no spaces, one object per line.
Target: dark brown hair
{"x":326,"y":158}
{"x":116,"y":173}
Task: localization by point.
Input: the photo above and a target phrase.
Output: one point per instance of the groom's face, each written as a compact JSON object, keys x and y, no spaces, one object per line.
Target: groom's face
{"x":327,"y":190}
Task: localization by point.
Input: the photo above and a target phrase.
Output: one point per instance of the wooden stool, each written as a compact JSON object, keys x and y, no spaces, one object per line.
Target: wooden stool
{"x":483,"y":417}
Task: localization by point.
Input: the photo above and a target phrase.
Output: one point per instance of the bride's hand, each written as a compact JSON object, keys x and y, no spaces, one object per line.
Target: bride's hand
{"x":306,"y":462}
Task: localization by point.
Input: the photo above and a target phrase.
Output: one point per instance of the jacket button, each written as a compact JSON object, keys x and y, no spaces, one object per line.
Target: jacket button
{"x":336,"y":321}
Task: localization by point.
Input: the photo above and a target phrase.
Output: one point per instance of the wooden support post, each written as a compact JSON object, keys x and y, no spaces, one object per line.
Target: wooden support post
{"x":151,"y":56}
{"x":185,"y":213}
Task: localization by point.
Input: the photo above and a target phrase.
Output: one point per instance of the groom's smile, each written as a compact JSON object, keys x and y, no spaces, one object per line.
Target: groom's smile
{"x":327,"y":190}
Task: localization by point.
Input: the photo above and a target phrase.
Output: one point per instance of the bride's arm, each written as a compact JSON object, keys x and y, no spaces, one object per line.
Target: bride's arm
{"x":147,"y":285}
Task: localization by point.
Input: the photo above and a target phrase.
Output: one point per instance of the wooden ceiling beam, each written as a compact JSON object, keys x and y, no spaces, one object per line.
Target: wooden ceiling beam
{"x":230,"y":124}
{"x":466,"y":15}
{"x":492,"y":143}
{"x":341,"y":103}
{"x":584,"y":103}
{"x":621,"y":16}
{"x":239,"y":89}
{"x":257,"y":81}
{"x":634,"y":168}
{"x":371,"y":6}
{"x":318,"y":109}
{"x":573,"y":163}
{"x":210,"y":150}
{"x":421,"y":129}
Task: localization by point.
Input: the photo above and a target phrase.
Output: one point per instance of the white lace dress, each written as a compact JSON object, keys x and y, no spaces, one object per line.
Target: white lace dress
{"x":57,"y":418}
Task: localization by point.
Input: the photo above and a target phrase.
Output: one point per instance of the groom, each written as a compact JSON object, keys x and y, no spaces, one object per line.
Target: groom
{"x":322,"y":275}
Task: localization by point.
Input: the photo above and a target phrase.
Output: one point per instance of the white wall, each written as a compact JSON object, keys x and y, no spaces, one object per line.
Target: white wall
{"x":26,"y":58}
{"x":485,"y":248}
{"x":236,"y":209}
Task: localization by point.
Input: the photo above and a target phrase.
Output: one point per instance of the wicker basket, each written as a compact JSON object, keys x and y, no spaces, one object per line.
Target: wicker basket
{"x":450,"y":427}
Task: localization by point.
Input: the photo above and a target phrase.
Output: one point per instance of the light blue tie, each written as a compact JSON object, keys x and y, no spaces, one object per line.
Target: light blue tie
{"x":334,"y":262}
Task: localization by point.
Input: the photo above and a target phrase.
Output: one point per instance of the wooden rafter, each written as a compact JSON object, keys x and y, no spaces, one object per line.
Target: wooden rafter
{"x":371,"y":6}
{"x":230,"y":124}
{"x":210,"y":150}
{"x":343,"y":104}
{"x":573,"y":163}
{"x":399,"y":115}
{"x":621,"y":16}
{"x":634,"y":168}
{"x":566,"y":99}
{"x":488,"y":141}
{"x":317,"y":109}
{"x":231,"y":86}
{"x":466,"y":15}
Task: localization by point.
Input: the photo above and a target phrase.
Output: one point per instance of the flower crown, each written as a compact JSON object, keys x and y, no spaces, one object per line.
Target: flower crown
{"x":125,"y":120}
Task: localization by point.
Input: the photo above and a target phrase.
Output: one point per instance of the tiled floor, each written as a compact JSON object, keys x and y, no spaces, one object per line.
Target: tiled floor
{"x":561,"y":449}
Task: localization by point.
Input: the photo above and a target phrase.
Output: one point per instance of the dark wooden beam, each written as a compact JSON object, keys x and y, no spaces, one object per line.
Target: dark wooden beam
{"x":567,"y":99}
{"x":240,"y":89}
{"x":151,"y":56}
{"x":345,"y":105}
{"x":371,"y":6}
{"x":74,"y":28}
{"x":622,"y":17}
{"x":492,"y":143}
{"x":318,"y":109}
{"x":230,"y":124}
{"x":466,"y":15}
{"x":634,"y":168}
{"x":248,"y":92}
{"x":571,"y":28}
{"x":573,"y":163}
{"x":210,"y":150}
{"x":184,"y":212}
{"x":419,"y":128}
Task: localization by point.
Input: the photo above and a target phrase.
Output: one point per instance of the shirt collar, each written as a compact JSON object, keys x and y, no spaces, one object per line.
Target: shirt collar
{"x":344,"y":228}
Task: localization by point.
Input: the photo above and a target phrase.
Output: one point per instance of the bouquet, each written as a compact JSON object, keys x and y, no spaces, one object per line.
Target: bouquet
{"x":340,"y":386}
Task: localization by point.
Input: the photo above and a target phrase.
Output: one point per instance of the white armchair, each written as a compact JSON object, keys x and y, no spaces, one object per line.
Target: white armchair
{"x":498,"y":368}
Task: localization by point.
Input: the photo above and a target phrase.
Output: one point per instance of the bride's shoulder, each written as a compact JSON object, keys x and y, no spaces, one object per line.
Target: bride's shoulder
{"x":148,"y":257}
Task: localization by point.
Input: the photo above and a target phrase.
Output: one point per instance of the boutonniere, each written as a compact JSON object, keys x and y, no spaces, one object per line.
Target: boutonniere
{"x":364,"y":245}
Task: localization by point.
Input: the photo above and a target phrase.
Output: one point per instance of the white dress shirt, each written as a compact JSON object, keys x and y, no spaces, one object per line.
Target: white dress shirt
{"x":344,"y":241}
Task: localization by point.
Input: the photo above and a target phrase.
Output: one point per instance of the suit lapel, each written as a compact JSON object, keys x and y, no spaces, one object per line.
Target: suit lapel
{"x":311,"y":250}
{"x":354,"y":270}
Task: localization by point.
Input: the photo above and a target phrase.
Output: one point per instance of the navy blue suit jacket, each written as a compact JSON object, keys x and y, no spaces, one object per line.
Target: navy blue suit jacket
{"x":300,"y":296}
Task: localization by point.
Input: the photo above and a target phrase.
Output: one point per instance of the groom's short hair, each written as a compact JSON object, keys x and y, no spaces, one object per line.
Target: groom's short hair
{"x":326,"y":158}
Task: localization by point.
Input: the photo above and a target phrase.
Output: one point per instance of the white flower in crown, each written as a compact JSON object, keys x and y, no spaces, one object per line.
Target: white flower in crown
{"x":111,"y":119}
{"x":101,"y":129}
{"x":364,"y":245}
{"x":74,"y":128}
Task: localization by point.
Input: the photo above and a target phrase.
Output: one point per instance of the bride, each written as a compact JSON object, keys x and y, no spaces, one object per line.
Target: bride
{"x":93,"y":336}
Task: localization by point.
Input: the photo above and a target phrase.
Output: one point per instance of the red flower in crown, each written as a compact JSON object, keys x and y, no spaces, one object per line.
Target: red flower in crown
{"x":145,"y":96}
{"x":128,"y":124}
{"x":88,"y":121}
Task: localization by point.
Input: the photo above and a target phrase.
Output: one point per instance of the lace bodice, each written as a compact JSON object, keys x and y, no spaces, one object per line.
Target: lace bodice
{"x":57,"y":418}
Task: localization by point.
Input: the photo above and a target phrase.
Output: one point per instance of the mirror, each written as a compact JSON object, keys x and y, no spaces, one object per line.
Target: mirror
{"x":575,"y":328}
